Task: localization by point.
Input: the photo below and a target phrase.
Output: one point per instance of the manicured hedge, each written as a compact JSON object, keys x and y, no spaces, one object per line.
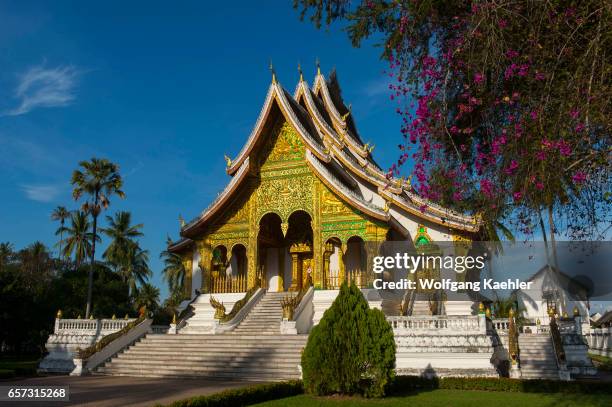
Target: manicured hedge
{"x":400,"y":385}
{"x":244,"y":396}
{"x":403,"y":384}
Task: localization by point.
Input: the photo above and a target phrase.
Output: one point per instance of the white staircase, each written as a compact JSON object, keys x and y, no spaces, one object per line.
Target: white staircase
{"x":538,"y":359}
{"x":255,"y":350}
{"x":264,"y":318}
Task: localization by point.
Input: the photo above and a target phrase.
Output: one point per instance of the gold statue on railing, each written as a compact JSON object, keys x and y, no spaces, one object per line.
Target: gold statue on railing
{"x":218,"y":306}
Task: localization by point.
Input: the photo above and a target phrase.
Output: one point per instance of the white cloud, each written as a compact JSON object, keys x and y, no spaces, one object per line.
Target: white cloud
{"x":41,"y":193}
{"x":42,"y":87}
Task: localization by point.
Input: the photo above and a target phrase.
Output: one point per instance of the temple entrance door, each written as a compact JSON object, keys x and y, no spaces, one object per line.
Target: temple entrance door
{"x":271,"y":250}
{"x":286,"y":258}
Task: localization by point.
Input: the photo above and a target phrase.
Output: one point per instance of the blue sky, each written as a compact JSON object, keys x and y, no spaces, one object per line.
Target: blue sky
{"x":164,"y":91}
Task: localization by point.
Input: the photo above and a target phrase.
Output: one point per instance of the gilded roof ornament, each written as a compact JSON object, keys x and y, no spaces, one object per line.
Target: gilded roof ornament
{"x":318,"y":66}
{"x":300,"y":71}
{"x":367,"y":147}
{"x":181,"y":220}
{"x":344,"y":116}
{"x":273,"y":72}
{"x":228,"y":161}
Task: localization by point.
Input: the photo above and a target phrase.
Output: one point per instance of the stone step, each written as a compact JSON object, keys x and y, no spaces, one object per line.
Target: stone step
{"x":265,"y":339}
{"x":220,"y":347}
{"x":210,"y":337}
{"x":209,"y":364}
{"x":186,"y":373}
{"x":202,"y":357}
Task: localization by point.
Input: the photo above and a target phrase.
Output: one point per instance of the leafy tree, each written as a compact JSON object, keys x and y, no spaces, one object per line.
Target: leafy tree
{"x":60,"y":214}
{"x":174,"y":272}
{"x":505,"y":104}
{"x":79,"y":238}
{"x":148,"y":296}
{"x":351,"y":350}
{"x":124,"y":253}
{"x":98,"y":179}
{"x":122,"y":235}
{"x":135,"y":269}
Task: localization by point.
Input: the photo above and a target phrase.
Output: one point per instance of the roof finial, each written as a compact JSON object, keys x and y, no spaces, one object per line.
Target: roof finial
{"x":300,"y":71}
{"x":318,"y":66}
{"x":273,"y":72}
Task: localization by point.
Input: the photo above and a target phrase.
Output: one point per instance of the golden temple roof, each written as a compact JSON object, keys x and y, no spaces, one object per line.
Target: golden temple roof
{"x":333,"y":145}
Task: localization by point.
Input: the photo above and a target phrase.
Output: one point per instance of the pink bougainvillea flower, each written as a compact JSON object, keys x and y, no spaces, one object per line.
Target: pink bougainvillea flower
{"x":512,"y":167}
{"x":517,"y":196}
{"x":574,"y":114}
{"x":579,"y":177}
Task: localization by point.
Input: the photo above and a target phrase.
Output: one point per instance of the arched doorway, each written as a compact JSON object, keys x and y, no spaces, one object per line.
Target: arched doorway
{"x":355,"y":261}
{"x":285,"y":251}
{"x":238,"y":261}
{"x":333,"y":264}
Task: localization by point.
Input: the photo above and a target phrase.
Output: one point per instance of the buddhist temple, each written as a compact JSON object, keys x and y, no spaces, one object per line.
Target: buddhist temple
{"x":306,"y":199}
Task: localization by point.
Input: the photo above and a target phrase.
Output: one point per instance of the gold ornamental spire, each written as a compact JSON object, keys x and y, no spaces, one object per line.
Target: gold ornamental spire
{"x":273,"y":72}
{"x":318,"y":66}
{"x":300,"y":71}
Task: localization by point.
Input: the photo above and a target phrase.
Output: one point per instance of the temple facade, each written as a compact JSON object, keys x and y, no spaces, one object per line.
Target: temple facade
{"x":306,"y":200}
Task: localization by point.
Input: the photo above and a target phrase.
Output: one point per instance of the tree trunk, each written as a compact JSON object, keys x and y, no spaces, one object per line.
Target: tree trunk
{"x":93,"y":255}
{"x":61,"y":256}
{"x":548,"y":262}
{"x":553,"y":243}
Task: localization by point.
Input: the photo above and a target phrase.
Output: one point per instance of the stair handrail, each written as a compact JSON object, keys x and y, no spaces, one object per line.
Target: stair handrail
{"x":229,"y":321}
{"x":513,"y":340}
{"x":93,"y":356}
{"x":557,"y":341}
{"x":290,"y":303}
{"x":407,"y":303}
{"x":302,"y":302}
{"x":186,"y":313}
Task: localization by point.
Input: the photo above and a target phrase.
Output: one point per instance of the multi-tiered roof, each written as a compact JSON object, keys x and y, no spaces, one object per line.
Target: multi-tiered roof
{"x":337,"y":156}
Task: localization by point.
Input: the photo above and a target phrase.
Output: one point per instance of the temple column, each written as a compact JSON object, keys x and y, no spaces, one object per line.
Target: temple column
{"x":329,"y":249}
{"x":205,"y":261}
{"x":296,"y":275}
{"x":342,"y":261}
{"x":187,"y":264}
{"x":375,"y":236}
{"x":252,"y":256}
{"x":281,"y":269}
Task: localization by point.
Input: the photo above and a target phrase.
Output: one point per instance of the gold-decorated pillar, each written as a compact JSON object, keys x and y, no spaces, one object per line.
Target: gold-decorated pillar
{"x":205,"y":251}
{"x":329,"y":249}
{"x":296,"y":277}
{"x":252,"y":255}
{"x":187,"y":264}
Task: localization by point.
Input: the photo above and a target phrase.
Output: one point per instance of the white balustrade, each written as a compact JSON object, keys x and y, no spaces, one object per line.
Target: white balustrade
{"x":438,"y":324}
{"x":90,"y":326}
{"x":599,"y":341}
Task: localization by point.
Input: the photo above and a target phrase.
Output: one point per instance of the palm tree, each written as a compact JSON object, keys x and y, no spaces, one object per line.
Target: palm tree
{"x":98,"y":179}
{"x":135,"y":268}
{"x":174,"y":270}
{"x":79,"y":238}
{"x":60,"y":214}
{"x":147,"y":296}
{"x":122,"y":236}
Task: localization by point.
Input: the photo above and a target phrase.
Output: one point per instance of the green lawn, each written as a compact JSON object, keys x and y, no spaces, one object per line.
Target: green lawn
{"x":603,"y":363}
{"x":454,"y":398}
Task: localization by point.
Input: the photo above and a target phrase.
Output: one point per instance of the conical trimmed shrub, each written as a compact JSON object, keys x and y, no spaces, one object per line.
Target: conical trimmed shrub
{"x":351,"y":350}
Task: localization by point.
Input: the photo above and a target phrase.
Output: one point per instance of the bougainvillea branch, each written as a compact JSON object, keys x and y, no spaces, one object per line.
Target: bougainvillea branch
{"x":505,"y":104}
